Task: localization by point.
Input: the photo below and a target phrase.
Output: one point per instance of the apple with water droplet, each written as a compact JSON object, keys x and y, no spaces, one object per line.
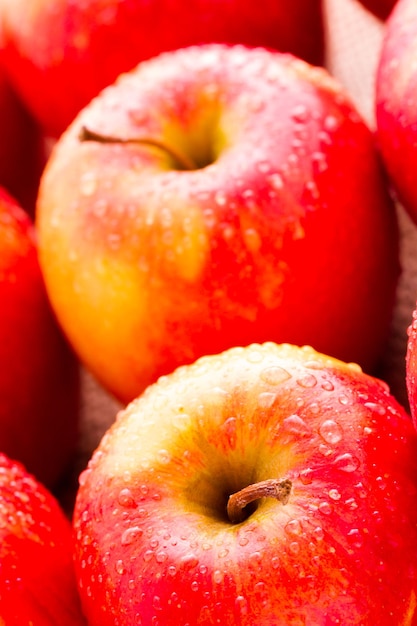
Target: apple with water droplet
{"x":411,"y":366}
{"x":270,"y":484}
{"x":216,"y":196}
{"x":60,"y":54}
{"x":39,"y":374}
{"x":396,"y":106}
{"x":37,"y":581}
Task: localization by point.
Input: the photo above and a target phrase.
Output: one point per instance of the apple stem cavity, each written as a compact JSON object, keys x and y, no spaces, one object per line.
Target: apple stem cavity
{"x":277,"y":488}
{"x":182,"y":160}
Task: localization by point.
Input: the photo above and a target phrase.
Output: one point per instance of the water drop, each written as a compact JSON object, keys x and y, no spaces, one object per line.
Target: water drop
{"x":346,"y":462}
{"x":241,"y":605}
{"x":331,"y":432}
{"x":120,"y":567}
{"x":307,"y":381}
{"x":334,"y":494}
{"x":275,"y":375}
{"x":126,"y":498}
{"x":295,"y":425}
{"x":130,"y":535}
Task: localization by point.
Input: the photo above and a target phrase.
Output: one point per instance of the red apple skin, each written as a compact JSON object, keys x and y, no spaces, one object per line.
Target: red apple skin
{"x":37,"y":581}
{"x":288,"y":234}
{"x":380,"y":8}
{"x":150,"y":516}
{"x":396,"y":108}
{"x":39,"y":386}
{"x":61,"y":54}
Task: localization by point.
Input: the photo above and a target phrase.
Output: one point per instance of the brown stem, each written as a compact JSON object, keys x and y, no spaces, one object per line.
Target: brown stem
{"x":182,"y":159}
{"x":277,"y":488}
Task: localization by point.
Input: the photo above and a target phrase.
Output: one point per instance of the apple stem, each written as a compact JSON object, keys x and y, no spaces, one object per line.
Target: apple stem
{"x":277,"y":488}
{"x":182,"y":159}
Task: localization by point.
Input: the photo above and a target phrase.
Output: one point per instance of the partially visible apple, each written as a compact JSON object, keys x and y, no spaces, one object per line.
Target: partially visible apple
{"x":216,"y":196}
{"x":267,"y":485}
{"x":61,"y":53}
{"x":396,"y":105}
{"x":380,"y":8}
{"x":39,"y":387}
{"x":37,"y":581}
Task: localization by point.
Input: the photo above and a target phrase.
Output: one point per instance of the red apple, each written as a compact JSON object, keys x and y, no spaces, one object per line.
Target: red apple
{"x":22,"y":148}
{"x":38,"y":371}
{"x":396,"y":106}
{"x":37,"y":581}
{"x":265,"y":485}
{"x":380,"y":8}
{"x":281,"y":229}
{"x":60,"y":54}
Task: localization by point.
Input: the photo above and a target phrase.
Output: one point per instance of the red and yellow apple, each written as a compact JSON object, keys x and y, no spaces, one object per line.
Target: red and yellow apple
{"x":37,"y":581}
{"x":60,"y":54}
{"x":269,"y":484}
{"x":39,"y":387}
{"x":216,"y":196}
{"x":396,"y":105}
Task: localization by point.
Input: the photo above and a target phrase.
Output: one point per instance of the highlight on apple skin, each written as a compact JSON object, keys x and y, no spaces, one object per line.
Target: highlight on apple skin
{"x":217,"y":196}
{"x":331,"y":538}
{"x":60,"y":54}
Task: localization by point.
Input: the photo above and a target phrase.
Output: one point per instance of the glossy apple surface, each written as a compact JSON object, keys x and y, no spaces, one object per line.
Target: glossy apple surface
{"x":154,"y":542}
{"x":39,"y":390}
{"x":37,"y":582}
{"x":281,"y":229}
{"x":396,"y":106}
{"x":60,"y":54}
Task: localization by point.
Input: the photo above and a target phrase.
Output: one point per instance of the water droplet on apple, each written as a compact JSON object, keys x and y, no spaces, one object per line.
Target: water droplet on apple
{"x":126,"y":498}
{"x":194,"y":585}
{"x":276,"y":181}
{"x":355,"y":538}
{"x":307,"y":381}
{"x":346,"y":462}
{"x":293,"y":527}
{"x":164,"y":457}
{"x":130,"y":535}
{"x":241,"y":605}
{"x":375,"y":407}
{"x":88,"y":183}
{"x":300,"y":113}
{"x":327,"y":385}
{"x":252,"y":239}
{"x":294,"y":547}
{"x":334,"y":494}
{"x":331,"y":432}
{"x":275,"y":375}
{"x":295,"y":425}
{"x":217,"y":577}
{"x":120,"y":569}
{"x":266,"y":399}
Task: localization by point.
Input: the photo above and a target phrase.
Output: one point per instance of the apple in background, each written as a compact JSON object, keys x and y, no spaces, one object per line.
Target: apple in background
{"x":39,"y":386}
{"x":37,"y":581}
{"x":380,"y":8}
{"x":396,"y":105}
{"x":22,"y":148}
{"x":61,"y":53}
{"x":216,"y":196}
{"x":266,"y":485}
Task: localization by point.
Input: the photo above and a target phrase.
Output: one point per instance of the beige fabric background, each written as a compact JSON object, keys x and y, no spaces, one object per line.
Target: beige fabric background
{"x":354,"y":40}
